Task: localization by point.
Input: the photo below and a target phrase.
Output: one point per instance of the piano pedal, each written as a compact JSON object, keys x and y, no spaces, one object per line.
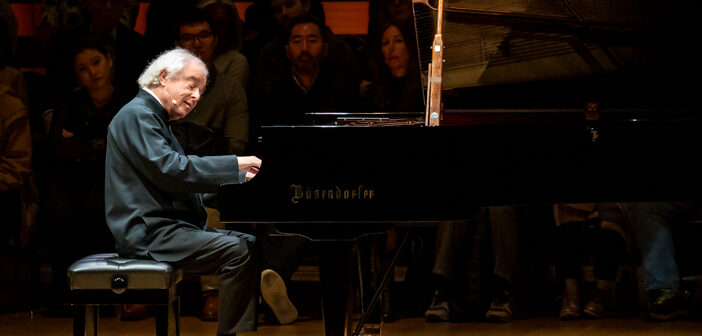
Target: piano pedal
{"x":370,"y":329}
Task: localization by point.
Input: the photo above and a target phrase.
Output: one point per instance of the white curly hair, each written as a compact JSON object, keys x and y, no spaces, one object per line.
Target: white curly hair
{"x":173,"y":61}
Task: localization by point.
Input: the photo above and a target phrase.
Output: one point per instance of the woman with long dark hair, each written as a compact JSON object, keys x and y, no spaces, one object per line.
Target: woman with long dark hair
{"x":395,"y":83}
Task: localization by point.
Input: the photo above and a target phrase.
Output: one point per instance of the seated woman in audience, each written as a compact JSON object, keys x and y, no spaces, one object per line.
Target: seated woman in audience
{"x":395,"y":83}
{"x":394,"y":86}
{"x":75,"y":196}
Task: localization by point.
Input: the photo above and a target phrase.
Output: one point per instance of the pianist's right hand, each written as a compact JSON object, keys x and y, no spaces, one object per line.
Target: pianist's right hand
{"x":250,"y":165}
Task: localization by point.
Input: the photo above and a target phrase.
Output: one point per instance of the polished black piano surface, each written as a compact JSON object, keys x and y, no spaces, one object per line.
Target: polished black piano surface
{"x":339,"y":181}
{"x":341,"y":173}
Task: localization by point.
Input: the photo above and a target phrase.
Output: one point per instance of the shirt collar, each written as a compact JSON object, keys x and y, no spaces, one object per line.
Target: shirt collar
{"x":299,"y":84}
{"x":153,"y":94}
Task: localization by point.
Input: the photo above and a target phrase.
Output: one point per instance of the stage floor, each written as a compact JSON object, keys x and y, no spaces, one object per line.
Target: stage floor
{"x":25,"y":324}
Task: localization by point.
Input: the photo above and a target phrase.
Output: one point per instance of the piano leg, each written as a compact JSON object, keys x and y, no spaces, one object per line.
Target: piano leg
{"x":335,"y":272}
{"x":372,"y":313}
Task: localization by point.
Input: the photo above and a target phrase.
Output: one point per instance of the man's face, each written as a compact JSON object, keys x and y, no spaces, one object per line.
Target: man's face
{"x":305,"y":48}
{"x":184,"y":90}
{"x":198,"y":38}
{"x":286,"y":10}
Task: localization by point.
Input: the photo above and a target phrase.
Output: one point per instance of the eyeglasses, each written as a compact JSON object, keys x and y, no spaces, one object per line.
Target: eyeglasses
{"x":190,"y":38}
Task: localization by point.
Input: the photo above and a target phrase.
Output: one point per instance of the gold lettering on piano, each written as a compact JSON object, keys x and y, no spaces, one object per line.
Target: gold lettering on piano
{"x":307,"y":193}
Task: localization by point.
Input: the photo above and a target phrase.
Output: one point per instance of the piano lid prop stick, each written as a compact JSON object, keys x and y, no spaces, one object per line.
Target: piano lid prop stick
{"x":426,"y":114}
{"x":434,"y":78}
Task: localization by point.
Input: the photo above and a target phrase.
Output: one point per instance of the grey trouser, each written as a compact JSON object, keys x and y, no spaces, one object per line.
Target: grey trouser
{"x":505,"y":240}
{"x":451,"y":236}
{"x":231,"y":257}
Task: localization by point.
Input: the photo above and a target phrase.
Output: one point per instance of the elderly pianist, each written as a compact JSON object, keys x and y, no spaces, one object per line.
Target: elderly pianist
{"x":154,"y":192}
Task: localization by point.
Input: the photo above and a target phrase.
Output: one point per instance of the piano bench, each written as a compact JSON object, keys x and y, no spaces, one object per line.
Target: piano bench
{"x":107,"y":279}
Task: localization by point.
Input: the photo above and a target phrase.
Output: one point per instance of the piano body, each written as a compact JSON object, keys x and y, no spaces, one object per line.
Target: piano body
{"x":544,"y":101}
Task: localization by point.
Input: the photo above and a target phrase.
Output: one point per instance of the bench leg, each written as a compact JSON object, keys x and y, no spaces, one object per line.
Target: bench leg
{"x":174,"y":318}
{"x":78,"y":320}
{"x":85,"y":320}
{"x":161,"y":314}
{"x":168,"y":319}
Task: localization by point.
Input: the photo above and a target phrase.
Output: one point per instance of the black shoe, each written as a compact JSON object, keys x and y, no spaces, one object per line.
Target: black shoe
{"x":666,"y":304}
{"x":597,"y":306}
{"x":570,"y":307}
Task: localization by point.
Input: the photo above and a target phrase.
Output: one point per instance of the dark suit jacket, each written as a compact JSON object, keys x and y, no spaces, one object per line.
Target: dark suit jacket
{"x":153,"y":201}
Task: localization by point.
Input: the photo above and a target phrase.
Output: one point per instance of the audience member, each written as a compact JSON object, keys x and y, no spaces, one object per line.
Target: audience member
{"x":308,"y":79}
{"x":223,"y":105}
{"x":504,"y":222}
{"x":103,"y":22}
{"x":130,"y":14}
{"x":395,"y":85}
{"x":285,"y":89}
{"x":443,"y":271}
{"x":9,"y":74}
{"x":227,"y":26}
{"x":652,"y":224}
{"x":227,"y":22}
{"x":18,"y":194}
{"x":150,"y":180}
{"x":457,"y":242}
{"x":159,"y":23}
{"x":383,"y":11}
{"x":17,"y":180}
{"x":15,"y":161}
{"x":74,"y":196}
{"x":7,"y":18}
{"x":58,"y":15}
{"x":504,"y":229}
{"x":304,"y":86}
{"x":581,"y":228}
{"x":449,"y":240}
{"x":14,"y":78}
{"x":259,"y":28}
{"x":58,"y":21}
{"x":268,"y":20}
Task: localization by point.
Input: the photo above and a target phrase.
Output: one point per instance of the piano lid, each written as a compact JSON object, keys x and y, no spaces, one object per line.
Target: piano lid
{"x":507,"y":42}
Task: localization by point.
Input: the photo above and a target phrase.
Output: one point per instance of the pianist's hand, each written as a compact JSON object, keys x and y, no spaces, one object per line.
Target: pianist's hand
{"x":250,"y":165}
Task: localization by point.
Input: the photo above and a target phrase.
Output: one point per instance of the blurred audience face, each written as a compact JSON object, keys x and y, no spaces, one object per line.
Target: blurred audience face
{"x":286,"y":10}
{"x":184,"y":90}
{"x":395,"y":53}
{"x":226,"y":23}
{"x":105,"y":14}
{"x":399,"y":9}
{"x":199,"y":38}
{"x":305,"y":48}
{"x":93,"y":69}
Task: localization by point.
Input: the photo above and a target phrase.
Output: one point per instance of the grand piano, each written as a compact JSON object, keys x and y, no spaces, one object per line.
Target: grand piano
{"x":542,"y":101}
